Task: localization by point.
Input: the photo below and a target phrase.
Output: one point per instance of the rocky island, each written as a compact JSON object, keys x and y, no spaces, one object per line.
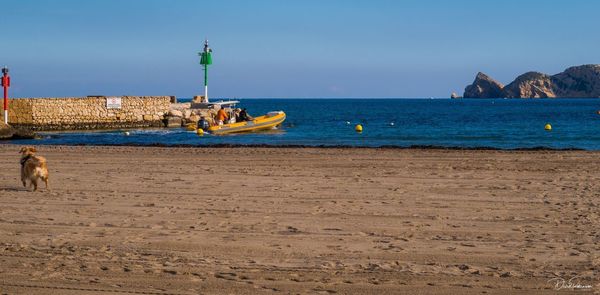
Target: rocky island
{"x":575,"y":82}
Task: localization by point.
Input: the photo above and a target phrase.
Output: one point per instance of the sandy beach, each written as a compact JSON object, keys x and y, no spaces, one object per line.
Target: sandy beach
{"x":148,"y":220}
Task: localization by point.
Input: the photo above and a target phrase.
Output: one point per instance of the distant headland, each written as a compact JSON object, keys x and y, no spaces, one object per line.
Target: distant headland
{"x":575,"y":82}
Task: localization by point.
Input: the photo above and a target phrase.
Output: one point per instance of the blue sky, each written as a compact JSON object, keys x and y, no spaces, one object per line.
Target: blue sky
{"x":309,"y":48}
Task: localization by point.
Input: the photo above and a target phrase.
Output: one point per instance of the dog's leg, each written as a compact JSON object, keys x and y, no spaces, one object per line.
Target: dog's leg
{"x":45,"y":179}
{"x":34,"y":183}
{"x":23,"y":177}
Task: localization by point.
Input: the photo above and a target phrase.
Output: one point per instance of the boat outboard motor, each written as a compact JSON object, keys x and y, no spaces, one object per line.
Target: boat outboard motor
{"x":203,"y":124}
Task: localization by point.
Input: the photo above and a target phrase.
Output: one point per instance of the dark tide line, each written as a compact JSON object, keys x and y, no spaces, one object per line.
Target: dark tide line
{"x":275,"y":146}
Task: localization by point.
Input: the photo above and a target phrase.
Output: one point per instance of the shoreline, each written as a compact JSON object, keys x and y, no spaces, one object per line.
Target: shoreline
{"x":300,"y":146}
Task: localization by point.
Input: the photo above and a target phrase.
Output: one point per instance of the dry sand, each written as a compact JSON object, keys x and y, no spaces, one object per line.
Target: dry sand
{"x":142,"y":220}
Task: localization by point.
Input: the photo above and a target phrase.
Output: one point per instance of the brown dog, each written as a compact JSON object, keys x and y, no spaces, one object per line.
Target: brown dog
{"x":33,"y":167}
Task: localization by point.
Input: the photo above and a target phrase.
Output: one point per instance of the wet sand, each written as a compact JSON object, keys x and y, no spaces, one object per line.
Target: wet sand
{"x":145,"y":220}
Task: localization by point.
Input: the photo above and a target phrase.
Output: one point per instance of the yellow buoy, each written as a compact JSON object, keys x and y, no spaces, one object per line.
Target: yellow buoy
{"x":191,"y":127}
{"x":548,"y":127}
{"x":200,"y":131}
{"x":358,"y":128}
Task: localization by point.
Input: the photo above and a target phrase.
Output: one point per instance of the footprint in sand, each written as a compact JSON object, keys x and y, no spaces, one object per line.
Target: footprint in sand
{"x":230,"y":276}
{"x":320,"y":290}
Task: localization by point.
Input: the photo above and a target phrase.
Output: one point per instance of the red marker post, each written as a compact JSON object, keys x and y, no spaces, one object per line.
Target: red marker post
{"x":5,"y":85}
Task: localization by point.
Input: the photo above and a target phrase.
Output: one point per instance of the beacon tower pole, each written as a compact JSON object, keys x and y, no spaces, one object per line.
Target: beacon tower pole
{"x":205,"y":60}
{"x":5,"y":84}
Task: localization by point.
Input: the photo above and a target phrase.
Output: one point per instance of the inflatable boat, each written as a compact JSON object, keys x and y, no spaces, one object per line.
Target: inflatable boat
{"x":268,"y":121}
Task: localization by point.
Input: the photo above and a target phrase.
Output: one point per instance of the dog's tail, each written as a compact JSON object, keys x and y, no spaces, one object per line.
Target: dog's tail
{"x":40,"y":172}
{"x":42,"y":169}
{"x":42,"y":162}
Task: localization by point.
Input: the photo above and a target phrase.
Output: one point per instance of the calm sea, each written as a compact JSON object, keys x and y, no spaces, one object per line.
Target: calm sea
{"x":470,"y":123}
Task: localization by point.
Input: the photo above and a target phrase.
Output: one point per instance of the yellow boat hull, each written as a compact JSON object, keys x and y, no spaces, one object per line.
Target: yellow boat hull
{"x":259,"y":123}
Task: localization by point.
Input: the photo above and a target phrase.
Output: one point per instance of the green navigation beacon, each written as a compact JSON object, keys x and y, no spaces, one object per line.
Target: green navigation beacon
{"x":205,"y":61}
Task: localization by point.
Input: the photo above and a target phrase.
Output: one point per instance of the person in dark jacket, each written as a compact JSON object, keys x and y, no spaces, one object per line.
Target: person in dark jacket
{"x":243,"y":116}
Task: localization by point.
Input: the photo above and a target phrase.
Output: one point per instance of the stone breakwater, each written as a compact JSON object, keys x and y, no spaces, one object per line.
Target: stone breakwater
{"x":182,"y":114}
{"x":74,"y":113}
